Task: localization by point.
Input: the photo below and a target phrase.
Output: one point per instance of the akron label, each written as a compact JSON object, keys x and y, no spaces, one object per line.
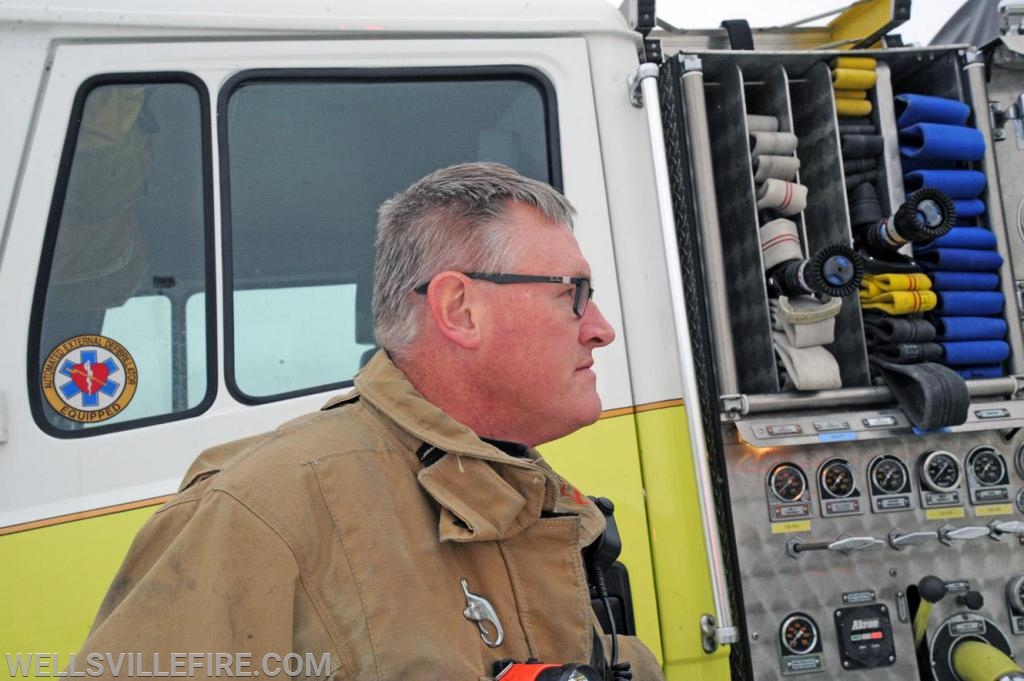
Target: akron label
{"x":89,"y":378}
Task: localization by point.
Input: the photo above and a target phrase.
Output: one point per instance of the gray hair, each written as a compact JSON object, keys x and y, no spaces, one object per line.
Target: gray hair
{"x":449,"y":220}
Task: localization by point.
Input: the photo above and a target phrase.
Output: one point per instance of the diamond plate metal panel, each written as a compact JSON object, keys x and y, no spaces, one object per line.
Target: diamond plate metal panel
{"x":775,"y":584}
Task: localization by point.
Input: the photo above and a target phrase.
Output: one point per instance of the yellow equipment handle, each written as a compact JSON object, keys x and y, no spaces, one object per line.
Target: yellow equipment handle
{"x":977,"y":661}
{"x":921,"y":622}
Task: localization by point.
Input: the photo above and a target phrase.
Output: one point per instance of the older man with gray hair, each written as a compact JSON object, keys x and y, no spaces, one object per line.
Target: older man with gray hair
{"x":407,"y":530}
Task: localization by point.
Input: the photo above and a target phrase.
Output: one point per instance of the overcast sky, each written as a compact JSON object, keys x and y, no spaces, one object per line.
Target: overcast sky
{"x":926,"y":16}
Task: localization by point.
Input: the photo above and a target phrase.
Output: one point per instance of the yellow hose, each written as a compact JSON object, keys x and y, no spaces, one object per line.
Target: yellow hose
{"x":977,"y":661}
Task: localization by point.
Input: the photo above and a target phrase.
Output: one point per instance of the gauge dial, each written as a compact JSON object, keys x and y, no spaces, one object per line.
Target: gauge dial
{"x":837,"y":478}
{"x":987,"y":465}
{"x":940,"y":471}
{"x":1015,"y":593}
{"x":799,"y":634}
{"x":889,"y":474}
{"x":1020,"y":500}
{"x":1018,"y":460}
{"x":787,"y":482}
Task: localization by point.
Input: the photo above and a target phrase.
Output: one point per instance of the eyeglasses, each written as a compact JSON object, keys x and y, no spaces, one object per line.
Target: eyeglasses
{"x":580,"y":299}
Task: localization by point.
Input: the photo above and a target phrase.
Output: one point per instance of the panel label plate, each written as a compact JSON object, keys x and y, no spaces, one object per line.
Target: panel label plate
{"x":791,"y":526}
{"x":945,"y":513}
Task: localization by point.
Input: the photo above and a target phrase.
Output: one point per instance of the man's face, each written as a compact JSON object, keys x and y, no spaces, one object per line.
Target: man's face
{"x":538,"y":353}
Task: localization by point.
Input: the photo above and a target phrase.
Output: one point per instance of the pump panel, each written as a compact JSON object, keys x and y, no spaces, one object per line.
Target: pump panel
{"x":871,"y":428}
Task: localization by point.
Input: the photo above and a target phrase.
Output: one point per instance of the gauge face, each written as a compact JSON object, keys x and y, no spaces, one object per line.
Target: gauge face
{"x":1020,"y":500}
{"x":940,"y":471}
{"x":787,"y":482}
{"x":1015,"y":592}
{"x":837,"y":478}
{"x":889,"y":475}
{"x":1018,"y":460}
{"x":987,"y":465}
{"x":799,"y":634}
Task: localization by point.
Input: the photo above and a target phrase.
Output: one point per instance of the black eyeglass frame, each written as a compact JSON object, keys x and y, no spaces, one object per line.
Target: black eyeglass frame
{"x":580,"y":299}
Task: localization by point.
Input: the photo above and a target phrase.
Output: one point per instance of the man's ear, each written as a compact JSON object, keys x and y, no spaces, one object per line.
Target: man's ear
{"x":453,"y":308}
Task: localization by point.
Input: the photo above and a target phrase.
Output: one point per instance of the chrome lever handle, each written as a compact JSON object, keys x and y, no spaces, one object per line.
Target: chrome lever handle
{"x":1001,"y":527}
{"x":948,"y":533}
{"x":845,"y":544}
{"x":899,"y":538}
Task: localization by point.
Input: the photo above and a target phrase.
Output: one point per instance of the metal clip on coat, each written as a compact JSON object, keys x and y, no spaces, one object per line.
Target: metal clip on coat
{"x":479,"y":610}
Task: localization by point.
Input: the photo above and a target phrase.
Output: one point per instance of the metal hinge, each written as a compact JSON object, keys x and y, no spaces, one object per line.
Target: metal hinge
{"x":734,"y":406}
{"x":4,"y":432}
{"x":712,"y":635}
{"x":998,"y":117}
{"x":635,"y":83}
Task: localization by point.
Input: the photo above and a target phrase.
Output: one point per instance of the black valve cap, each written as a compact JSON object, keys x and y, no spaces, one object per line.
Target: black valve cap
{"x":932,"y":588}
{"x":972,"y":600}
{"x":834,"y":271}
{"x":927,"y":214}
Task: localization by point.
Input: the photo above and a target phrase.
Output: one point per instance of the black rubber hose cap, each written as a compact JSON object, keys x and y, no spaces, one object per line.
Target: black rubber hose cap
{"x":835,"y":271}
{"x":926,"y":215}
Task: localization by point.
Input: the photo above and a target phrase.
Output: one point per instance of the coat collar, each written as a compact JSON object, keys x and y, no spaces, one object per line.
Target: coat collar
{"x":485,"y":494}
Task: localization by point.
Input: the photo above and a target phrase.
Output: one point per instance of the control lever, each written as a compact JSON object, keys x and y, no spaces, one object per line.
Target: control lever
{"x":932,"y":589}
{"x":844,"y":543}
{"x":997,"y":528}
{"x":898,"y":538}
{"x":972,"y":600}
{"x":948,"y":533}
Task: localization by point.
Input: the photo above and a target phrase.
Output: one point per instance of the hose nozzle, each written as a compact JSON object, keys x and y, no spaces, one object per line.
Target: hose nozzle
{"x":926,"y":215}
{"x":833,"y":271}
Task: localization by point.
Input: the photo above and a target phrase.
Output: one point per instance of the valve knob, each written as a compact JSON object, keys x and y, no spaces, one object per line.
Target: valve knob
{"x":972,"y":600}
{"x":932,"y":588}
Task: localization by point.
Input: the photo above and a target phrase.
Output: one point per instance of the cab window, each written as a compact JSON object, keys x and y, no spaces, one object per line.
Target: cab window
{"x":113,"y":342}
{"x":307,"y":159}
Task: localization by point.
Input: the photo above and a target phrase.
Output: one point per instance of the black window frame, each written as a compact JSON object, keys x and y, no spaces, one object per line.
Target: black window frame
{"x":384,"y":74}
{"x":34,"y":364}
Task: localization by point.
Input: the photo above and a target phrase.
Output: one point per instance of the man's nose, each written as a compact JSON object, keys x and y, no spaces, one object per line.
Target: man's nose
{"x":595,"y":329}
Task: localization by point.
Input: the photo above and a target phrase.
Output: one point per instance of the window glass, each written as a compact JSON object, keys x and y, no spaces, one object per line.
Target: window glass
{"x":310,"y":159}
{"x":128,"y":251}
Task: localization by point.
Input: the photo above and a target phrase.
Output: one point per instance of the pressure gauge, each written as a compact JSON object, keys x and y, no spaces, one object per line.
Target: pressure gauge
{"x":987,"y":466}
{"x":1015,"y":594}
{"x":889,"y":474}
{"x":837,"y":478}
{"x":1018,"y":460}
{"x":799,"y":634}
{"x":940,"y":471}
{"x":787,"y":482}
